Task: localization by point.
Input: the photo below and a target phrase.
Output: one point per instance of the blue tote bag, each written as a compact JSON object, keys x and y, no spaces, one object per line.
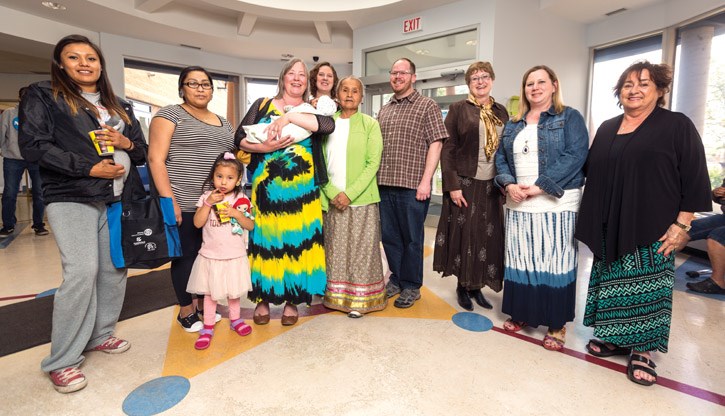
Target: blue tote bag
{"x":142,"y":227}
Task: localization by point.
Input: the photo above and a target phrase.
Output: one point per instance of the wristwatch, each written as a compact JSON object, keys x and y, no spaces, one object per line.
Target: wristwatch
{"x":683,"y":226}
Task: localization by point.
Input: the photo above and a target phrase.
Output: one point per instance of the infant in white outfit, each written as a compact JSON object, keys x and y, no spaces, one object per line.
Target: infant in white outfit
{"x":325,"y":107}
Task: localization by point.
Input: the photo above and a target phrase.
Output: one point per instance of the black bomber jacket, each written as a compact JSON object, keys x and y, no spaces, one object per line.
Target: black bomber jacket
{"x":50,"y":135}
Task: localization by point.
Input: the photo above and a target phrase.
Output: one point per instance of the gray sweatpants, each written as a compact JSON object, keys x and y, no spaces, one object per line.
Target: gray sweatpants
{"x":88,"y":302}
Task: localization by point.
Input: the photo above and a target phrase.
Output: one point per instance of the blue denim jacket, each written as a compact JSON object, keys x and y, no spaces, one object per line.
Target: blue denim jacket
{"x":563,"y":146}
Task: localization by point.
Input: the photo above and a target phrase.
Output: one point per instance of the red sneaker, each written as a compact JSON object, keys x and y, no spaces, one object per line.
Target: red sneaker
{"x":113,"y":345}
{"x":68,"y":379}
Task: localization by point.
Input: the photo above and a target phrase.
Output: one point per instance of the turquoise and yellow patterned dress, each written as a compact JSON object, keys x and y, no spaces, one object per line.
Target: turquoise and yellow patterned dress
{"x":286,"y":252}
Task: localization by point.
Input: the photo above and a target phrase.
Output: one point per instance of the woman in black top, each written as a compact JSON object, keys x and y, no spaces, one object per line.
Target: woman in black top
{"x":646,"y":176}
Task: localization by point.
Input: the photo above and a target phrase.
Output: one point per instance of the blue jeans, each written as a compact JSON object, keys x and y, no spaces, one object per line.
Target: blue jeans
{"x":402,"y":219}
{"x":13,"y":173}
{"x":711,"y":227}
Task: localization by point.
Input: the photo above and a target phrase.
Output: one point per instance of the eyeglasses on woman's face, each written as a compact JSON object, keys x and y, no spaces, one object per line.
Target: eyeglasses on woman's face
{"x":484,"y":77}
{"x":195,"y":85}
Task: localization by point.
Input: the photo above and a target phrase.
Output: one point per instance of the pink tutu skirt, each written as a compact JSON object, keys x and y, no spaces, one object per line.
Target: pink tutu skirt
{"x":221,"y":279}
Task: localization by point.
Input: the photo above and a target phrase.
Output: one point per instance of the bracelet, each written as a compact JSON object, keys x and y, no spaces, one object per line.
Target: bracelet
{"x":207,"y":204}
{"x":132,"y":145}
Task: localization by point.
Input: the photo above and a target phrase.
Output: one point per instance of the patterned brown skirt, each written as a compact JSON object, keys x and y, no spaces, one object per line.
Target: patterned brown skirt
{"x":469,"y":240}
{"x":354,"y":266}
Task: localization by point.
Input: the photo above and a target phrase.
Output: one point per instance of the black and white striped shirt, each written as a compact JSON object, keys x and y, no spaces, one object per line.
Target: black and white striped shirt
{"x":194,"y":147}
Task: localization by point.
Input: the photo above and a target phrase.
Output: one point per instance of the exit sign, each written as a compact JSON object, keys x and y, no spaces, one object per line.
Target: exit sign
{"x":412,"y":25}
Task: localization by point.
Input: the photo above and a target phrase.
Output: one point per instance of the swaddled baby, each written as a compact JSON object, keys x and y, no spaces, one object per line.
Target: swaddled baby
{"x":325,"y":107}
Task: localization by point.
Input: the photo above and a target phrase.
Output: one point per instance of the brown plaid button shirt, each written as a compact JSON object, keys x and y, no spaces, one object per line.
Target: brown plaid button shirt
{"x":409,"y":126}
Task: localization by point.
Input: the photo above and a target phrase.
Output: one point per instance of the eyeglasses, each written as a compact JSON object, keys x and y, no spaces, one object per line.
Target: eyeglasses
{"x":399,"y":73}
{"x":194,"y":85}
{"x":481,"y":78}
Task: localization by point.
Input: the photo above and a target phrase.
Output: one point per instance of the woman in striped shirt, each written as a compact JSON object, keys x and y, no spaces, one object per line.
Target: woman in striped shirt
{"x":184,"y":141}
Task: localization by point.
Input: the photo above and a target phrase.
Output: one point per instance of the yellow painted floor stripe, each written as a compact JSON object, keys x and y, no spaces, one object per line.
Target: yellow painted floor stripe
{"x":183,"y":360}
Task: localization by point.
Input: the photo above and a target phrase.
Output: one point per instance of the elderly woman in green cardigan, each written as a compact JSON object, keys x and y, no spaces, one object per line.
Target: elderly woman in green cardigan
{"x":350,"y":200}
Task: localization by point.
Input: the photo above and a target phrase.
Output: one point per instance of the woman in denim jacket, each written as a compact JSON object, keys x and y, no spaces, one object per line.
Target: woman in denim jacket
{"x":539,"y":165}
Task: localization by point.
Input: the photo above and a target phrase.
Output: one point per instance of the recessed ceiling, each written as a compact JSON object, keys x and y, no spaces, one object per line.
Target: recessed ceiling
{"x":247,"y":29}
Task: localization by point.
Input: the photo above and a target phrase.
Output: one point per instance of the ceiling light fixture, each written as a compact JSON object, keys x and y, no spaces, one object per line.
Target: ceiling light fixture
{"x":423,"y":52}
{"x":471,"y":42}
{"x":287,"y":56}
{"x":53,"y":5}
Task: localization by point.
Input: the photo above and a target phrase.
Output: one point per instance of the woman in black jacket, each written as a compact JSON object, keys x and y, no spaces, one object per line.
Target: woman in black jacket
{"x":646,"y":177}
{"x":55,"y":120}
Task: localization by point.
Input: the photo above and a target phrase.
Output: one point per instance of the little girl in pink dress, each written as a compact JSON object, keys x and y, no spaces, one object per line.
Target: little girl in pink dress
{"x":221,"y":270}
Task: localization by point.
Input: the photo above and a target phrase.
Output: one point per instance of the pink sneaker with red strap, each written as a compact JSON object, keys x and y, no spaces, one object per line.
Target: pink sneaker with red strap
{"x":68,"y":379}
{"x":112,"y":345}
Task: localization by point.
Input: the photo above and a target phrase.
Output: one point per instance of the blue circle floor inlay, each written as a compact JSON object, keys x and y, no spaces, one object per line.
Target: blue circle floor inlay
{"x":472,"y":321}
{"x":156,"y":396}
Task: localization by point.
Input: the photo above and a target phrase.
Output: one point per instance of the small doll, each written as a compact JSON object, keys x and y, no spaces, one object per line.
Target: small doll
{"x":244,"y":205}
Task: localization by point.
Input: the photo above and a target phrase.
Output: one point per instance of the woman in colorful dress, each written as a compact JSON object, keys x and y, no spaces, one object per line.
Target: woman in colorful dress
{"x":355,"y":282}
{"x":647,"y":177}
{"x":469,"y":240}
{"x":539,"y":164}
{"x":286,"y":252}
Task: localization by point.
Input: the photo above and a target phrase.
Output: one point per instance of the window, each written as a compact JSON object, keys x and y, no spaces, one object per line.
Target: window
{"x":258,"y":88}
{"x":442,"y":50}
{"x":152,"y":86}
{"x":609,"y":63}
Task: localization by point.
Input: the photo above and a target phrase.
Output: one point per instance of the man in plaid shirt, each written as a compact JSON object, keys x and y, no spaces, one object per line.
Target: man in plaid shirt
{"x":413,"y":134}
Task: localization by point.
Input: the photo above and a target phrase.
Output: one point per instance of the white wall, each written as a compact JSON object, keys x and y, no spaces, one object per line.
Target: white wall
{"x":525,"y":36}
{"x":27,"y":26}
{"x":513,"y":34}
{"x":11,"y":83}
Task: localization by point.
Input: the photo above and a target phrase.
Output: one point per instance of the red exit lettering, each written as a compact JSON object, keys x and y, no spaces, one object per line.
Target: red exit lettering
{"x":411,"y":25}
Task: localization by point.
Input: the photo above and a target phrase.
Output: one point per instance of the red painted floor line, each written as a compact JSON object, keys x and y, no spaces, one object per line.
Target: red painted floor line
{"x":18,"y":297}
{"x":662,"y":381}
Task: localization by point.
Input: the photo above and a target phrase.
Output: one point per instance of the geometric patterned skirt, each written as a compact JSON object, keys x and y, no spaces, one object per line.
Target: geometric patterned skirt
{"x":629,"y":302}
{"x":540,"y":268}
{"x":354,"y":266}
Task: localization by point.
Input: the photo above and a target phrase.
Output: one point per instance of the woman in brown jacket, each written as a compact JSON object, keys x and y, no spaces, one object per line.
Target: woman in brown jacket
{"x":469,"y":240}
